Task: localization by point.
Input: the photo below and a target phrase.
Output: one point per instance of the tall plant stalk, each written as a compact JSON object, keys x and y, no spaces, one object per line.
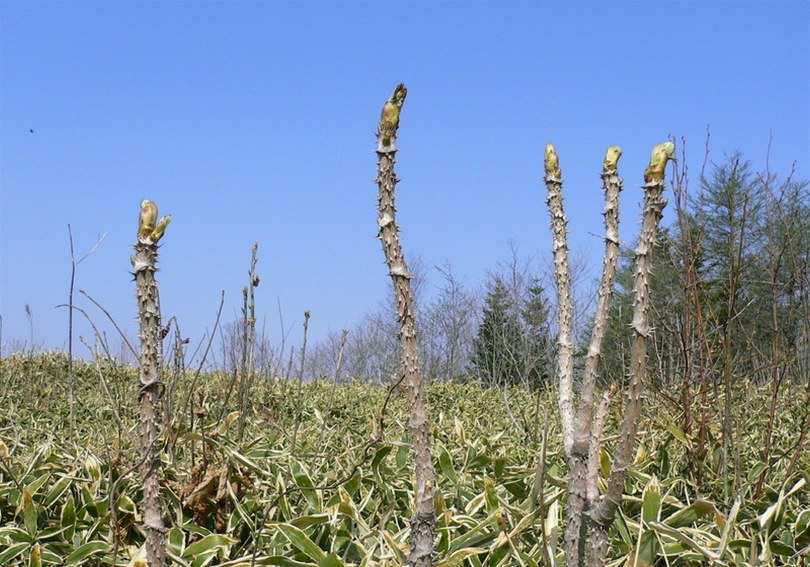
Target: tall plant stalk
{"x":423,"y":523}
{"x":144,"y":261}
{"x":74,"y":263}
{"x":590,"y":515}
{"x":247,"y":369}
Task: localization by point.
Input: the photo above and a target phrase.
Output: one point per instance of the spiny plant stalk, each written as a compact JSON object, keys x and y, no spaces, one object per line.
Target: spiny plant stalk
{"x":423,"y":523}
{"x":604,"y":512}
{"x":144,"y":261}
{"x":565,"y":311}
{"x":589,"y":516}
{"x":583,"y":433}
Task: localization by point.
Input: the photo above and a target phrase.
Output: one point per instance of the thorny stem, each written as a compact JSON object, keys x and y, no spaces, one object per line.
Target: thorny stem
{"x":613,"y":185}
{"x":604,"y":513}
{"x":565,"y":313}
{"x":588,"y":518}
{"x":423,"y":523}
{"x":565,"y":358}
{"x":151,"y":335}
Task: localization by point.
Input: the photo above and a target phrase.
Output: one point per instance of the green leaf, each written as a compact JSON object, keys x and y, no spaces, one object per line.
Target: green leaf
{"x":57,"y":490}
{"x":801,"y":528}
{"x":773,"y":516}
{"x":678,"y":434}
{"x":302,"y":522}
{"x":18,"y":535}
{"x":68,"y":517}
{"x":84,"y":551}
{"x":684,"y":539}
{"x":246,"y":518}
{"x":268,"y":560}
{"x":301,"y":542}
{"x":35,"y":559}
{"x":303,"y":480}
{"x":689,"y":515}
{"x":728,"y":529}
{"x":479,"y":535}
{"x":755,"y":470}
{"x":605,"y":464}
{"x":490,"y":496}
{"x":208,"y":543}
{"x":651,"y":501}
{"x":126,"y":505}
{"x":29,"y":513}
{"x":381,"y":453}
{"x":446,"y":464}
{"x":39,"y":482}
{"x":243,"y":460}
{"x":646,"y":550}
{"x":52,"y":558}
{"x":331,"y":560}
{"x":500,"y":465}
{"x":204,"y":557}
{"x":11,"y":552}
{"x":458,"y":556}
{"x":402,"y":456}
{"x":177,"y":540}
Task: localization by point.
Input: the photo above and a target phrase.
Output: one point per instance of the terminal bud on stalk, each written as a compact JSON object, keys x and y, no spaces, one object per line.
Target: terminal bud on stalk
{"x":150,"y":230}
{"x":612,"y":156}
{"x":661,"y":154}
{"x":389,"y":117}
{"x":552,"y":161}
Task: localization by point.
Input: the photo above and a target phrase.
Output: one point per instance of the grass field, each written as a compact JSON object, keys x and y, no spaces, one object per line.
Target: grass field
{"x":326,"y":479}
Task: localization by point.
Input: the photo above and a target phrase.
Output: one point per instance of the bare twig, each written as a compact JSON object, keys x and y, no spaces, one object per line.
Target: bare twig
{"x":299,"y":401}
{"x":112,"y":320}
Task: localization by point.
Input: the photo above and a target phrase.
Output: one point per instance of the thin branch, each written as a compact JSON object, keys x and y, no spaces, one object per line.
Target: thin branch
{"x":110,"y":317}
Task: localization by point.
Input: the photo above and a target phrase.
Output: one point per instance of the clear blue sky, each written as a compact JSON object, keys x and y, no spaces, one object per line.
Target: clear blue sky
{"x":255,"y":121}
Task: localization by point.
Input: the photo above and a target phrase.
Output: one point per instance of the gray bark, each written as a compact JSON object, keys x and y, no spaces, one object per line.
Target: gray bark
{"x":423,"y":523}
{"x":588,"y":515}
{"x":144,"y":262}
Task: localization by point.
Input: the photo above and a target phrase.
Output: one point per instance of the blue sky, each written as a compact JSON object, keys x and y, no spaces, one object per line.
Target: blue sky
{"x":255,"y":121}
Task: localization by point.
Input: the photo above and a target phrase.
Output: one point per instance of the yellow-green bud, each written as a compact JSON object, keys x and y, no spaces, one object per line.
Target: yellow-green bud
{"x":661,"y":154}
{"x":612,"y":156}
{"x":389,"y":117}
{"x":157,"y":234}
{"x":552,"y":161}
{"x":147,"y":220}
